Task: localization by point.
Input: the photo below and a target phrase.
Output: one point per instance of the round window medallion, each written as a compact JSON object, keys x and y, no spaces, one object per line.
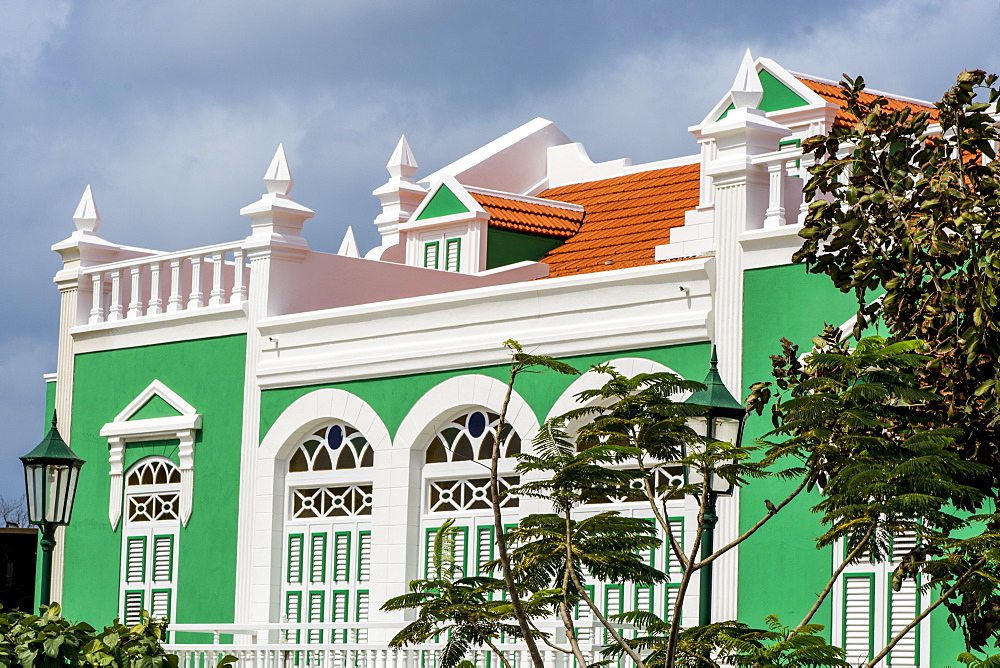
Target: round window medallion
{"x":476,"y":424}
{"x":334,"y":437}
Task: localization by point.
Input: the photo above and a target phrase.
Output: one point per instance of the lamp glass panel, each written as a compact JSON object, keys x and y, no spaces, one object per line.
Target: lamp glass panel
{"x":726,"y":429}
{"x":74,"y":477}
{"x":33,"y":476}
{"x":699,"y":424}
{"x":57,"y":486}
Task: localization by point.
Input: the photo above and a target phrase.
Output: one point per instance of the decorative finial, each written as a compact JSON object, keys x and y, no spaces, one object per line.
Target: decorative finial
{"x":54,"y":420}
{"x":714,"y":364}
{"x":278,"y":179}
{"x":402,"y":164}
{"x":349,"y":247}
{"x":86,"y":217}
{"x":747,"y":91}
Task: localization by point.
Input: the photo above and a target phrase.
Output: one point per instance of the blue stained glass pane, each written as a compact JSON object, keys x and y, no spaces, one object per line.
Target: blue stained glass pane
{"x":334,"y":436}
{"x":476,"y":424}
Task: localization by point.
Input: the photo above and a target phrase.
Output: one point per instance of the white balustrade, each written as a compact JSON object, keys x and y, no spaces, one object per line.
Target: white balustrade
{"x":259,"y":652}
{"x":136,"y":288}
{"x":785,"y":173}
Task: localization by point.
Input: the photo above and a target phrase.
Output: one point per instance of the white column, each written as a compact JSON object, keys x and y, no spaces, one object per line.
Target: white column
{"x":741,"y":199}
{"x":218,"y":295}
{"x":155,"y":304}
{"x":239,"y":293}
{"x":196,"y":298}
{"x":135,"y":303}
{"x":775,"y":214}
{"x":115,"y":312}
{"x":175,"y":302}
{"x":97,"y":311}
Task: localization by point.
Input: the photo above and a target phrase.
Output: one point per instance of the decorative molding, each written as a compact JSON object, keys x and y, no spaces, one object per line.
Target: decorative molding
{"x":302,"y":417}
{"x":123,"y":430}
{"x":592,"y":380}
{"x":658,"y":305}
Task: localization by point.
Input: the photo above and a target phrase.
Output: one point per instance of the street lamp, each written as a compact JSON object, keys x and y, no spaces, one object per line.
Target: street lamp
{"x":51,"y":472}
{"x":722,"y":420}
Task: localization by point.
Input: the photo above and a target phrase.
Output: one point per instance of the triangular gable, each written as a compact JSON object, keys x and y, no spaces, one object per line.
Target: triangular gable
{"x":155,"y":407}
{"x":448,"y":200}
{"x":782,"y":90}
{"x":160,"y":398}
{"x":442,"y":203}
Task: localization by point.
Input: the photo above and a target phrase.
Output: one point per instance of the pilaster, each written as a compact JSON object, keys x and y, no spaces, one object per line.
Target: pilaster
{"x":276,"y":222}
{"x":740,"y":202}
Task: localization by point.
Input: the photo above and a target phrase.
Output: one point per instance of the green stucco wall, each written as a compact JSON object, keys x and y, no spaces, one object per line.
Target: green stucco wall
{"x":392,"y":398}
{"x":779,"y":302}
{"x":504,"y":247}
{"x":209,"y":375}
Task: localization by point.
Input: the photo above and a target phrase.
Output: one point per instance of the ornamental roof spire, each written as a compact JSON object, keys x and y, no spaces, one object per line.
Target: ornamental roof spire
{"x":86,"y":217}
{"x":747,"y":91}
{"x":349,"y":247}
{"x":278,"y":178}
{"x":402,"y":164}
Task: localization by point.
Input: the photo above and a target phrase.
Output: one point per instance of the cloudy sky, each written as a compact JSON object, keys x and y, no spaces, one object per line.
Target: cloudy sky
{"x":173,"y":109}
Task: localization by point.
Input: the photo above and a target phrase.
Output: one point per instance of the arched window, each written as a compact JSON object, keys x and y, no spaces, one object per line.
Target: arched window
{"x":150,"y":534}
{"x":328,"y":531}
{"x":456,"y":478}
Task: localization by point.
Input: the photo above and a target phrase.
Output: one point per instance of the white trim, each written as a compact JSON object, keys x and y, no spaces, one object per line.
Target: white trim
{"x":556,"y":204}
{"x":832,"y":82}
{"x":622,"y":309}
{"x":122,"y":431}
{"x":203,"y":323}
{"x":474,"y":209}
{"x":297,"y":421}
{"x":156,"y":388}
{"x":770,"y":247}
{"x":592,"y":380}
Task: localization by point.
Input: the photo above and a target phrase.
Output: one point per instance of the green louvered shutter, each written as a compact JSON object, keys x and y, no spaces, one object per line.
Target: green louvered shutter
{"x":341,"y":556}
{"x":339,"y":609}
{"x":317,"y":600}
{"x":364,"y":556}
{"x":295,"y":544}
{"x":317,"y":557}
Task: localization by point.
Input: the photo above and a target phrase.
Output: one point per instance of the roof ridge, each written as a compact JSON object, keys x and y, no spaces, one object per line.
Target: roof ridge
{"x":525,"y":198}
{"x":873,"y":91}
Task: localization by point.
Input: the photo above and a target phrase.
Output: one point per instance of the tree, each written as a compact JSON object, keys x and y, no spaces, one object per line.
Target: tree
{"x":908,"y":210}
{"x":13,"y":511}
{"x":911,"y":212}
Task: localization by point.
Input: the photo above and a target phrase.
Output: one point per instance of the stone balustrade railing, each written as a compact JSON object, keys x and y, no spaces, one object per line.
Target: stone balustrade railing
{"x":167,"y":283}
{"x":786,"y":171}
{"x":344,"y":644}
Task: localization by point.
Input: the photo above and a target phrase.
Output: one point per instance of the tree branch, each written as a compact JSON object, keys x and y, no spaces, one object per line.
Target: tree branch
{"x":604,"y":621}
{"x":752,"y":530}
{"x":851,"y":556}
{"x":909,"y":627}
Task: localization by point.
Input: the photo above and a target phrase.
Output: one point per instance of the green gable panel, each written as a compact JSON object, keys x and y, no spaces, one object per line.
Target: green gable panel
{"x":443,"y":203}
{"x":777,"y":96}
{"x":156,"y":407}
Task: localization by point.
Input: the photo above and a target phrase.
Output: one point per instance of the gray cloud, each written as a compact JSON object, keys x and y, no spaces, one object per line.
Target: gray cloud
{"x":172,"y":110}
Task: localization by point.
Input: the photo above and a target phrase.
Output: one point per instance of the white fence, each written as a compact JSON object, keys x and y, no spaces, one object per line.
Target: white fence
{"x":282,"y":646}
{"x":167,"y":283}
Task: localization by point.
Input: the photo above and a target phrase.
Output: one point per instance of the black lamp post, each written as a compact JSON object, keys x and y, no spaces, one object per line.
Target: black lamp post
{"x":51,"y":471}
{"x":722,"y":421}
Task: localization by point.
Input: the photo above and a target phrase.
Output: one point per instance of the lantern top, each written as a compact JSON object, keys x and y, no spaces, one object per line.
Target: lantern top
{"x":715,"y":394}
{"x":52,"y":450}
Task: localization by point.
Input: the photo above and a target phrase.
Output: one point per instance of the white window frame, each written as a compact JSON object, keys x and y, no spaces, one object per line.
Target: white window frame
{"x":122,"y":430}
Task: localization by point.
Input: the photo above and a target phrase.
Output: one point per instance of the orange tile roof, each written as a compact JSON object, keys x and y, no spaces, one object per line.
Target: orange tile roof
{"x":833,"y":93}
{"x":535,"y":218}
{"x":626,"y":218}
